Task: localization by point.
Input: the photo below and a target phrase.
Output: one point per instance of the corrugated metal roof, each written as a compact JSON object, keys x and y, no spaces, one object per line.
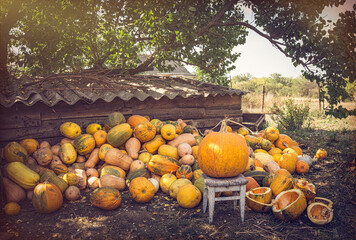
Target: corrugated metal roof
{"x":90,"y":86}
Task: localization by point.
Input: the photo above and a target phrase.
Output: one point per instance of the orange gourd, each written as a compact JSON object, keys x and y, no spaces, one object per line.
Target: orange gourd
{"x":135,"y":119}
{"x":142,"y":190}
{"x":283,"y":141}
{"x":100,"y":137}
{"x":144,"y":131}
{"x":302,"y":167}
{"x":106,"y":198}
{"x":184,"y":171}
{"x":47,"y":197}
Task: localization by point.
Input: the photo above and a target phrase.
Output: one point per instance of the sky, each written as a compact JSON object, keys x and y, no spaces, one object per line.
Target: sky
{"x":261,"y":59}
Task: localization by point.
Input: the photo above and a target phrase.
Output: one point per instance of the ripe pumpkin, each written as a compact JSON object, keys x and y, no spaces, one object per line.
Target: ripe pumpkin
{"x":298,"y":150}
{"x":103,"y":149}
{"x":119,"y":134}
{"x":136,"y":119}
{"x":176,"y":185}
{"x":47,"y":198}
{"x":166,"y":181}
{"x":263,"y":157}
{"x":67,"y":153}
{"x":188,"y":196}
{"x":160,"y":164}
{"x":251,"y":184}
{"x":142,"y":190}
{"x":106,"y":198}
{"x":143,"y":172}
{"x":100,"y":137}
{"x":153,"y":145}
{"x":51,"y":177}
{"x":15,"y":152}
{"x":281,"y":183}
{"x":114,"y":119}
{"x":271,"y":133}
{"x":288,"y":161}
{"x":30,"y":144}
{"x":302,"y":167}
{"x":319,"y":213}
{"x":289,"y":205}
{"x":168,"y":131}
{"x":223,"y":154}
{"x":60,"y":169}
{"x":12,"y":208}
{"x":158,"y":125}
{"x":112,"y":170}
{"x":145,"y":157}
{"x":71,"y":179}
{"x":243,"y":131}
{"x":168,"y":150}
{"x":266,"y":144}
{"x":84,"y":144}
{"x":275,"y":150}
{"x":70,"y":130}
{"x":144,"y":131}
{"x":283,"y":141}
{"x":93,"y":128}
{"x":22,"y":175}
{"x":184,"y":171}
{"x":321,"y":153}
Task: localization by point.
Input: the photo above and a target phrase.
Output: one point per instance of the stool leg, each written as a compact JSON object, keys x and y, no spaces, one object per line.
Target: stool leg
{"x":242,"y":202}
{"x":205,"y":198}
{"x":235,"y":200}
{"x":211,"y":198}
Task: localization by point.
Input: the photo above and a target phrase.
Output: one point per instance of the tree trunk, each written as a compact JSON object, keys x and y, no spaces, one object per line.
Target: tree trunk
{"x":4,"y":40}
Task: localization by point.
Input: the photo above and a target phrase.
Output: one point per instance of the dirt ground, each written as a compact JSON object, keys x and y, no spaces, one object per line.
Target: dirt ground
{"x":163,"y":218}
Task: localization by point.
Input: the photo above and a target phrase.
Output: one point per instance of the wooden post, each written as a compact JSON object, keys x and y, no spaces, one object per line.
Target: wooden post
{"x":263,"y":98}
{"x":319,"y":97}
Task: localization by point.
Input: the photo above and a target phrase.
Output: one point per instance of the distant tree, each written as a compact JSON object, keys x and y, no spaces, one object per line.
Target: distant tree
{"x":44,"y":37}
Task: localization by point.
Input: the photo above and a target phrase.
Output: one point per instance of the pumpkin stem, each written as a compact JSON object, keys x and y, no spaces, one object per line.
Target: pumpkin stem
{"x":223,"y":127}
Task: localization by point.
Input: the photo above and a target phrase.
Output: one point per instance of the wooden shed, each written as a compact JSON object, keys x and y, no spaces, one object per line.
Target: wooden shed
{"x":36,"y":107}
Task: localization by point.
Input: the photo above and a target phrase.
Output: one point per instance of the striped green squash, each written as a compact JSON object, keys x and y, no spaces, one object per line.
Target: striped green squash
{"x":119,"y":134}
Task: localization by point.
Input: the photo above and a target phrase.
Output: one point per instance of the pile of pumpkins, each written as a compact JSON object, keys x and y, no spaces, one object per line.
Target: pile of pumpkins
{"x":274,"y":157}
{"x":145,"y":156}
{"x":137,"y":153}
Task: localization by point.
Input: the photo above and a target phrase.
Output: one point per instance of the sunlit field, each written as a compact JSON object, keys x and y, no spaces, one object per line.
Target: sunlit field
{"x":253,"y":104}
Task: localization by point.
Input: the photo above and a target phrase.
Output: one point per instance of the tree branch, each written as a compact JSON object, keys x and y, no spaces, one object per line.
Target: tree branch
{"x":217,"y":17}
{"x":275,"y":43}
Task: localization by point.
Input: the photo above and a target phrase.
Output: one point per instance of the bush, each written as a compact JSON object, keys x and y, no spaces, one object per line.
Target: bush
{"x":291,"y":116}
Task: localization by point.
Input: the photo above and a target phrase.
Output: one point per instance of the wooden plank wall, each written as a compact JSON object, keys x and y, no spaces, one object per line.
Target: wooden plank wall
{"x":42,"y":122}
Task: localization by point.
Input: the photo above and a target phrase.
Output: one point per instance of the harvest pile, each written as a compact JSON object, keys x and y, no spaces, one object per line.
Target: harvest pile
{"x":146,"y":156}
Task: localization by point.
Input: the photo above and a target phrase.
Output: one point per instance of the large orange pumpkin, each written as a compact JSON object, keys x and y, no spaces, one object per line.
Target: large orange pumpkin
{"x":223,"y":154}
{"x":142,"y":190}
{"x":144,"y":131}
{"x":47,"y":197}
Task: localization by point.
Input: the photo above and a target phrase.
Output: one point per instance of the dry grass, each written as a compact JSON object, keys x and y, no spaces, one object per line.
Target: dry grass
{"x":253,"y":104}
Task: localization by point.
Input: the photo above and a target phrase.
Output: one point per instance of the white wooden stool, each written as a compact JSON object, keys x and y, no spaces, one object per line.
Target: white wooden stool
{"x":234,"y":184}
